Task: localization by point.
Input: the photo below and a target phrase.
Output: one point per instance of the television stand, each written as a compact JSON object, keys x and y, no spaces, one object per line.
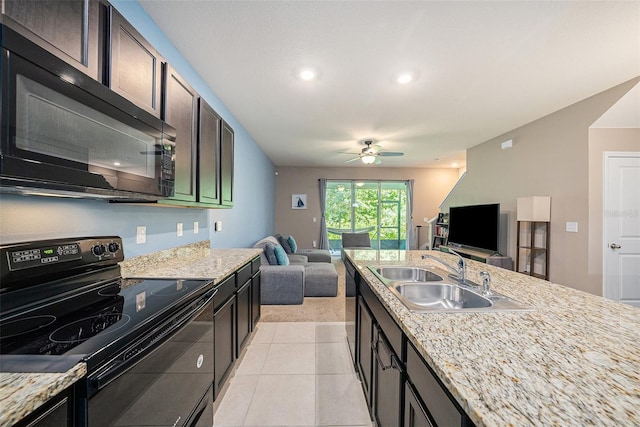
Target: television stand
{"x":481,"y":256}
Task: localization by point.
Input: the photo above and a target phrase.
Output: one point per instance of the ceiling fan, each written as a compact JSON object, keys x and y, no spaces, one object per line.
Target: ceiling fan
{"x":371,"y":153}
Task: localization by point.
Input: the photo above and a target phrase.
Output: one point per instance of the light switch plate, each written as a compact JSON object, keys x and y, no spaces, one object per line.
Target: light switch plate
{"x":218,"y":226}
{"x":572,"y":227}
{"x":196,"y":227}
{"x":179,"y":231}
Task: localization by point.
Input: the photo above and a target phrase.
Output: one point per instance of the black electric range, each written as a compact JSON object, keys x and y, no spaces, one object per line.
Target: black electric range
{"x":64,"y":300}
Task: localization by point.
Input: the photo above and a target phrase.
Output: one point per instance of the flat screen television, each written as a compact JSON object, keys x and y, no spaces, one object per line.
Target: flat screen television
{"x":475,"y":226}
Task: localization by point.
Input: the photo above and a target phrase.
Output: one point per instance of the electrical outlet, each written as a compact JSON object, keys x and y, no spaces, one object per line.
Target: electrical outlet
{"x":218,"y":225}
{"x":314,"y":243}
{"x":196,"y":227}
{"x":179,"y":230}
{"x":425,"y":219}
{"x":315,"y":219}
{"x":141,"y":234}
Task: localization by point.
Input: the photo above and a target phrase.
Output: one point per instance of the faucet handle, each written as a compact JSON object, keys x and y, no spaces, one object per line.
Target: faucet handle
{"x":486,"y":283}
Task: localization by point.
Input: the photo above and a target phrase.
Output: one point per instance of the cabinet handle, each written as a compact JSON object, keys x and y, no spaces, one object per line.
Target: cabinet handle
{"x":393,"y":364}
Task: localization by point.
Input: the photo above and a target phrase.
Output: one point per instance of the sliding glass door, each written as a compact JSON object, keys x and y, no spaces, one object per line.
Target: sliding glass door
{"x":378,"y":208}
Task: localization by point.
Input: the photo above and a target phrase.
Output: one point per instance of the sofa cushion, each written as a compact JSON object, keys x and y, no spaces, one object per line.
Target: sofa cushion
{"x":269,"y":252}
{"x":284,"y":241}
{"x":292,"y":244}
{"x":261,"y":244}
{"x":281,"y":255}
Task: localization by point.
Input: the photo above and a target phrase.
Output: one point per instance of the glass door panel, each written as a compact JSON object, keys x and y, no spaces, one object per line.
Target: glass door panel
{"x":378,"y":208}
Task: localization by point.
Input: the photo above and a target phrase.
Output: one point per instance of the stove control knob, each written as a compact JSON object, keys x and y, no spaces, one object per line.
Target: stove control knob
{"x":98,"y":250}
{"x":113,"y":247}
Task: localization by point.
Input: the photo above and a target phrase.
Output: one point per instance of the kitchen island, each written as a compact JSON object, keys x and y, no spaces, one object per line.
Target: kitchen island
{"x":573,"y":360}
{"x":22,"y":393}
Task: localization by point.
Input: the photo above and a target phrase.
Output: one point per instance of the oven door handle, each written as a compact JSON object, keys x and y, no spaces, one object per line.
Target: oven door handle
{"x":147,"y":344}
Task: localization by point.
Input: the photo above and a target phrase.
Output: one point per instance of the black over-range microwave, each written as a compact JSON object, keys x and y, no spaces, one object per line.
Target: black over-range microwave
{"x":64,"y":133}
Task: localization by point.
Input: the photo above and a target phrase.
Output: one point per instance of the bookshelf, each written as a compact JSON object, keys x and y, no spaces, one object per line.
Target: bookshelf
{"x":440,"y":231}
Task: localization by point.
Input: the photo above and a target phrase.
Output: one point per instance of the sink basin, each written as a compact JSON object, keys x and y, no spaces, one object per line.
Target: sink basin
{"x":439,"y":296}
{"x":429,"y":290}
{"x":408,"y":274}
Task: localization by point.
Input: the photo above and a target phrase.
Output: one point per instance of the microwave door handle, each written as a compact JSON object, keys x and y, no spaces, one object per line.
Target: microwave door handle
{"x":120,"y":365}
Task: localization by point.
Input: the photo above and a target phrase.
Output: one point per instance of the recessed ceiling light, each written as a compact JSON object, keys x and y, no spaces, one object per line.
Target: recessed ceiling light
{"x":308,"y":74}
{"x":404,"y":78}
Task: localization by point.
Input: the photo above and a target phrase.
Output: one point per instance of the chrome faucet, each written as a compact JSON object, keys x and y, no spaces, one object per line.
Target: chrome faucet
{"x":486,"y":283}
{"x":460,"y":270}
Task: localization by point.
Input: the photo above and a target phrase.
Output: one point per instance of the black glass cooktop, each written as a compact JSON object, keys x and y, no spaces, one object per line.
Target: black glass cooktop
{"x":101,"y":319}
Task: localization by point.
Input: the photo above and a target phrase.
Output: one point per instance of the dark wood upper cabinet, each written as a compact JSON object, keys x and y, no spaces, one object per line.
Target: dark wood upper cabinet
{"x":135,"y":66}
{"x":209,"y":158}
{"x":181,"y":112}
{"x":69,"y":29}
{"x":226,"y":165}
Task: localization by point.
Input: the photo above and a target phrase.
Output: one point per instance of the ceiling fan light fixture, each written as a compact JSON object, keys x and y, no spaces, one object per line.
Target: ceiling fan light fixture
{"x":368,"y":159}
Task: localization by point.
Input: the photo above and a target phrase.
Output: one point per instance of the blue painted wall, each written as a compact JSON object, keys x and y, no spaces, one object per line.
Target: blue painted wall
{"x":252,"y":217}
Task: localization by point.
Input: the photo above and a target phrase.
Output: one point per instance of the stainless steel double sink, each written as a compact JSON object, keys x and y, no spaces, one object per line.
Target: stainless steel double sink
{"x":427,"y":290}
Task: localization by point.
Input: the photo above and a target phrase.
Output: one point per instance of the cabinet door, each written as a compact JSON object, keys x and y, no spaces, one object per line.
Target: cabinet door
{"x":136,"y":67}
{"x":244,"y":316}
{"x":209,"y":148}
{"x":69,"y":29}
{"x":226,"y":165}
{"x":387,"y":382}
{"x":181,"y":112}
{"x":364,"y":354}
{"x":255,"y":300}
{"x":414,"y":414}
{"x":225,"y":343}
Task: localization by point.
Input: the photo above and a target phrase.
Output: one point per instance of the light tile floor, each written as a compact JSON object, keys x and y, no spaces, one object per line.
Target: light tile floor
{"x":295,"y":374}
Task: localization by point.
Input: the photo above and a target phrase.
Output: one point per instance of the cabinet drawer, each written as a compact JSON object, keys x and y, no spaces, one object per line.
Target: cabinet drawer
{"x":384,"y":319}
{"x":255,"y":265}
{"x":225,"y":290}
{"x":440,"y":406}
{"x":244,"y":274}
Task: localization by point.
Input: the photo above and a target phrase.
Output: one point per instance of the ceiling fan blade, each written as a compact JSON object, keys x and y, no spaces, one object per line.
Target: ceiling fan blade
{"x":378,"y":161}
{"x":390,"y":153}
{"x":349,"y":152}
{"x":352,"y":160}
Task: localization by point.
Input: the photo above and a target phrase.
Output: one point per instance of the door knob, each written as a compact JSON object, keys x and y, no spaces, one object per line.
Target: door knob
{"x":614,"y":246}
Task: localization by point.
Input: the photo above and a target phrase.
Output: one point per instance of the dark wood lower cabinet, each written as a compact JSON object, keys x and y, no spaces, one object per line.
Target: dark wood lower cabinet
{"x":244,"y":316}
{"x":55,"y":413}
{"x":225,"y":343}
{"x":414,"y":413}
{"x":255,"y":300}
{"x":364,"y":352}
{"x":387,"y":382}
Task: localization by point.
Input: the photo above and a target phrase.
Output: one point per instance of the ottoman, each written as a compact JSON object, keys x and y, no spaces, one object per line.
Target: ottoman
{"x":320,"y":280}
{"x":315,"y":255}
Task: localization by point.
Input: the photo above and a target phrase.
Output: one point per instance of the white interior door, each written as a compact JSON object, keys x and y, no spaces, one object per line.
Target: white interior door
{"x":621,"y":264}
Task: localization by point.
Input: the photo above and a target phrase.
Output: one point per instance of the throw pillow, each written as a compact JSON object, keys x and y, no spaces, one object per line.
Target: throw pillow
{"x":292,"y":244}
{"x":284,"y":241}
{"x":269,"y":252}
{"x":281,"y":255}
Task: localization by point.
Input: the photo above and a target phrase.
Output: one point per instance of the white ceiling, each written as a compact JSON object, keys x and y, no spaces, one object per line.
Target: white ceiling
{"x":483,"y":68}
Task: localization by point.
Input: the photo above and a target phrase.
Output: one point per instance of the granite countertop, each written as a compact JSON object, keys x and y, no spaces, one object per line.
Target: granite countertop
{"x":574,"y":360}
{"x":23,"y":392}
{"x":193,"y":261}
